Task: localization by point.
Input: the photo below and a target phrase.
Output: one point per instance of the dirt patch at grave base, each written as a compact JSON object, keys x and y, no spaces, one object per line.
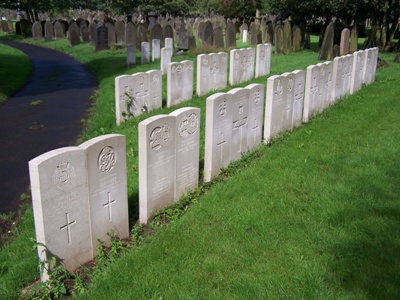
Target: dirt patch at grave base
{"x":62,"y":87}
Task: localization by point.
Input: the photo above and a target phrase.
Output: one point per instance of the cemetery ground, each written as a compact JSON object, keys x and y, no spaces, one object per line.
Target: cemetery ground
{"x":313,"y":215}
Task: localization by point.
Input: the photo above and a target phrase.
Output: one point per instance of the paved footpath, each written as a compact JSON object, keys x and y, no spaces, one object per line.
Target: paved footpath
{"x":26,"y":131}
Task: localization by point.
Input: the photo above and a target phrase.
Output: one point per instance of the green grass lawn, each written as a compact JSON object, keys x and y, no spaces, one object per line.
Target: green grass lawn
{"x":15,"y":68}
{"x":314,"y":215}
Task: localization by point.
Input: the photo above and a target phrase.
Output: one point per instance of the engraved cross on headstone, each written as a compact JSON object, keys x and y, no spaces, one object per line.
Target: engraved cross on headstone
{"x":238,"y":124}
{"x":67,"y":226}
{"x":221,"y":144}
{"x":255,"y":129}
{"x":108,"y":205}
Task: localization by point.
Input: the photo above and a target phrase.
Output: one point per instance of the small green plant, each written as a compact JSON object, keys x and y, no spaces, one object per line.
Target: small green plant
{"x":37,"y":102}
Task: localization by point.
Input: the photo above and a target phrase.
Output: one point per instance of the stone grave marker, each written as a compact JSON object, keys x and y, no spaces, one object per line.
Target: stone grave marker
{"x":311,"y":92}
{"x":187,"y":149}
{"x":345,"y":42}
{"x":263,"y":60}
{"x":73,"y":35}
{"x":59,"y":30}
{"x":297,"y":39}
{"x":130,"y":34}
{"x":141,"y":35}
{"x":112,"y":39}
{"x":269,"y":38}
{"x":358,"y":64}
{"x":336,"y":92}
{"x":218,"y":136}
{"x":367,"y":69}
{"x":37,"y":31}
{"x":248,"y":63}
{"x":244,"y":36}
{"x":130,"y":54}
{"x":322,"y":91}
{"x":168,"y":32}
{"x":48,"y":31}
{"x":26,"y":28}
{"x":274,"y":106}
{"x":85,"y":34}
{"x":254,"y":29}
{"x":230,"y":35}
{"x":61,"y":208}
{"x":289,"y":88}
{"x":125,"y":103}
{"x":348,"y":74}
{"x":287,"y":37}
{"x":155,"y":90}
{"x":179,"y":82}
{"x":242,"y":29}
{"x":120,"y":32}
{"x":169,"y":43}
{"x":256,"y":113}
{"x":212,"y":70}
{"x":156,"y":50}
{"x":299,"y":86}
{"x":326,"y":51}
{"x":101,"y":38}
{"x":279,"y":39}
{"x":107,"y":186}
{"x":208,"y":34}
{"x":92,"y":33}
{"x":240,"y":115}
{"x":156,"y":33}
{"x":145,"y":53}
{"x":218,"y":37}
{"x":166,"y":54}
{"x":156,"y":164}
{"x":353,"y":39}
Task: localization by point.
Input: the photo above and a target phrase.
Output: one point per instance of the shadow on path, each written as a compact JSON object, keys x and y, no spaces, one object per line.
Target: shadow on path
{"x":63,"y":87}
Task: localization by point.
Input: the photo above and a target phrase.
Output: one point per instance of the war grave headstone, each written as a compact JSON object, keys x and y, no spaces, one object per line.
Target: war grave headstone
{"x":156,"y":164}
{"x":212,"y":72}
{"x":145,"y":53}
{"x":358,"y":64}
{"x":156,"y":49}
{"x":322,"y":91}
{"x":327,"y":84}
{"x":230,"y":35}
{"x":37,"y":31}
{"x":73,"y":35}
{"x":166,"y":54}
{"x":245,"y":36}
{"x":107,"y":185}
{"x":85,"y":34}
{"x":263,"y":60}
{"x":287,"y":121}
{"x":59,"y":188}
{"x":169,"y":43}
{"x":59,"y":30}
{"x":337,"y":80}
{"x":299,"y":87}
{"x":187,"y":150}
{"x":120,"y":32}
{"x":353,"y":39}
{"x":248,"y":63}
{"x":112,"y":39}
{"x":155,"y":90}
{"x":345,"y":41}
{"x":48,"y":31}
{"x":240,"y":115}
{"x":274,"y":106}
{"x":101,"y":38}
{"x":256,"y":115}
{"x":326,"y":51}
{"x":367,"y":66}
{"x":130,"y":54}
{"x":279,"y":39}
{"x":130,"y":34}
{"x":374,"y":62}
{"x":218,"y":135}
{"x":218,"y":38}
{"x":243,"y":28}
{"x":311,"y":94}
{"x":348,"y":75}
{"x":179,"y":82}
{"x":208,"y":34}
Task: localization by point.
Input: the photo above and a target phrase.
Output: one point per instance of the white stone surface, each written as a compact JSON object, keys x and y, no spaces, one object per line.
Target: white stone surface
{"x":256,"y":115}
{"x":155,"y":49}
{"x":187,"y":149}
{"x":61,"y":207}
{"x":123,"y":97}
{"x":244,"y":39}
{"x":311,"y":92}
{"x":155,"y":90}
{"x":107,"y":185}
{"x":218,"y":136}
{"x":212,"y":70}
{"x":299,"y":87}
{"x":287,"y":121}
{"x":358,"y":66}
{"x":145,"y":50}
{"x":166,"y":55}
{"x":156,"y":164}
{"x":169,"y":43}
{"x":337,"y":79}
{"x":241,"y":66}
{"x":240,"y":117}
{"x":263,"y":60}
{"x":179,"y":82}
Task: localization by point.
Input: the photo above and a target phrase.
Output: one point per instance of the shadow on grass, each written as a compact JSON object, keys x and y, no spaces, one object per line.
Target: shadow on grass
{"x":366,"y":259}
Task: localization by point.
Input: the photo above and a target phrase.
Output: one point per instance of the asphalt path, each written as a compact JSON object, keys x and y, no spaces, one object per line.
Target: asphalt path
{"x":62,"y":87}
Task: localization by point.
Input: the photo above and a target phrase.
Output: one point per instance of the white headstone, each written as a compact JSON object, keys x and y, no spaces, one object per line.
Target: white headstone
{"x":166,"y":54}
{"x":156,"y":164}
{"x":263,"y":60}
{"x":311,"y":92}
{"x":61,"y":207}
{"x":123,"y":97}
{"x":235,"y":67}
{"x":256,"y":115}
{"x":248,"y":60}
{"x":287,"y":121}
{"x":155,"y":90}
{"x":156,"y":49}
{"x":358,"y":65}
{"x":348,"y":60}
{"x":107,"y":185}
{"x":240,"y":117}
{"x":274,"y":106}
{"x":299,"y":86}
{"x":218,"y":136}
{"x":244,"y":40}
{"x":187,"y":149}
{"x":140,"y":94}
{"x":130,"y":54}
{"x":145,"y":49}
{"x":212,"y":70}
{"x":328,"y":83}
{"x":337,"y":81}
{"x":179,"y":82}
{"x":169,"y":43}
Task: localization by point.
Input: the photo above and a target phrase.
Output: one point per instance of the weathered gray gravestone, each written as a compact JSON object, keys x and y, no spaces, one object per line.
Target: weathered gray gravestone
{"x":101,"y":38}
{"x":92,"y":33}
{"x":157,"y":151}
{"x":59,"y":30}
{"x":269,"y":35}
{"x":230,"y":35}
{"x":73,"y":35}
{"x":130,"y":54}
{"x":279,"y":39}
{"x":141,"y":35}
{"x":156,"y":33}
{"x":287,"y":37}
{"x":37,"y":31}
{"x":130,"y":34}
{"x":145,"y":52}
{"x":26,"y":28}
{"x":61,"y":208}
{"x":111,"y":34}
{"x":187,"y":149}
{"x":208,"y":34}
{"x":254,"y":30}
{"x":85,"y":34}
{"x":345,"y":41}
{"x":168,"y":31}
{"x":297,"y":39}
{"x":326,"y":51}
{"x":353,"y":39}
{"x":48,"y":31}
{"x":120,"y":32}
{"x":218,"y":38}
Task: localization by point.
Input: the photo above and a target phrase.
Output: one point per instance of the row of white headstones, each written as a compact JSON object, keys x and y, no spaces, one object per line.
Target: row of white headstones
{"x":142,"y":92}
{"x":79,"y":193}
